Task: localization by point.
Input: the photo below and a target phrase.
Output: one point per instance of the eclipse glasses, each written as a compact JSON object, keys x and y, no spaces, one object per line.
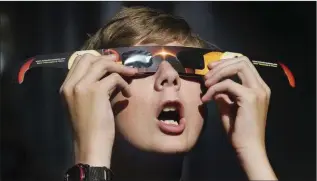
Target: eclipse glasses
{"x":187,"y":61}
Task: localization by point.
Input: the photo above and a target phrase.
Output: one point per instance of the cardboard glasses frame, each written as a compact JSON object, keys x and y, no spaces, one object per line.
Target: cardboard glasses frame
{"x":186,"y":61}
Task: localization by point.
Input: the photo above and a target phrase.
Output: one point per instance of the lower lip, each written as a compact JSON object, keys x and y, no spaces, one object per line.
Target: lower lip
{"x":172,"y":129}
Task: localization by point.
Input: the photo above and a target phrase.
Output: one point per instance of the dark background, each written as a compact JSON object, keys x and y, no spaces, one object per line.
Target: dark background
{"x":35,"y":137}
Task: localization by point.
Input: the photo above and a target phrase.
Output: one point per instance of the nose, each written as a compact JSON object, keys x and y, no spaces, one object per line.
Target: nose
{"x":167,"y":76}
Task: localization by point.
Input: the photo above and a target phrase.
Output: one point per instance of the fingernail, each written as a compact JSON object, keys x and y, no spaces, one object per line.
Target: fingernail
{"x":203,"y":99}
{"x":208,"y":83}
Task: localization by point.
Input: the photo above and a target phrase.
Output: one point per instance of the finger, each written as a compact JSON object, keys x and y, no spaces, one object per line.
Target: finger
{"x":104,"y":66}
{"x":214,"y":66}
{"x":81,"y":69}
{"x":252,"y":67}
{"x":113,"y":81}
{"x":234,"y":89}
{"x":67,"y":99}
{"x":225,"y":110}
{"x":211,"y":65}
{"x":229,"y":68}
{"x":259,"y":78}
{"x":70,"y":72}
{"x":223,"y":97}
{"x":262,"y":84}
{"x":78,"y":69}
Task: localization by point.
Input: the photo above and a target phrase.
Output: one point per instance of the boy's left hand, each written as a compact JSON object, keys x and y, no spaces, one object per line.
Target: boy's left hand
{"x":243,"y":107}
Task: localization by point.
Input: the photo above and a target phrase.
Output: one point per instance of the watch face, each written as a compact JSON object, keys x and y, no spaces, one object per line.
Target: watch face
{"x":76,"y":173}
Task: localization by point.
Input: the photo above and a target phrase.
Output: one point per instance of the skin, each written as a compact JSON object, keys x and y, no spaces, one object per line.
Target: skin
{"x":88,"y":92}
{"x":142,"y":108}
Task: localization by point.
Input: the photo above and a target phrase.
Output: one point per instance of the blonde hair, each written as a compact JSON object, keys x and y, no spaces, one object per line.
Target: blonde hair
{"x":142,"y":25}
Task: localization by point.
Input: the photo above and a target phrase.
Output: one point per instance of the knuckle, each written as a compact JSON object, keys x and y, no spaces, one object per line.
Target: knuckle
{"x":66,"y":91}
{"x":261,"y":94}
{"x":269,"y":91}
{"x":106,"y":64}
{"x":77,"y":59}
{"x":244,"y":58}
{"x":244,"y":63}
{"x":87,"y":59}
{"x":103,"y":64}
{"x":112,"y":79}
{"x":206,"y":76}
{"x":267,"y":88}
{"x":99,"y":66}
{"x":240,"y":66}
{"x":61,"y":90}
{"x":116,"y":76}
{"x":219,"y":74}
{"x":79,"y":89}
{"x":87,"y":56}
{"x":227,"y":81}
{"x":268,"y":94}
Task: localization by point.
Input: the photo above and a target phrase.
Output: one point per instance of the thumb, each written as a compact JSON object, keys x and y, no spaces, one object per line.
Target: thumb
{"x":224,"y":105}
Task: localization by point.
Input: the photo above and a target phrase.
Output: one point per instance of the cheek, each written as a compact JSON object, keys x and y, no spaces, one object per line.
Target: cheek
{"x":139,"y":96}
{"x":136,"y":115}
{"x":191,"y":94}
{"x":142,"y":95}
{"x":131,"y":111}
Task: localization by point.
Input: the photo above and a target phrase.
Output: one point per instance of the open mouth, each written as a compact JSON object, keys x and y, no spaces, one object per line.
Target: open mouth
{"x":171,"y":120}
{"x":169,"y":115}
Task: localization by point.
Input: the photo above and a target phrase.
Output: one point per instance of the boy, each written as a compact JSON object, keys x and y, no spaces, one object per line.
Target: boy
{"x":99,"y":112}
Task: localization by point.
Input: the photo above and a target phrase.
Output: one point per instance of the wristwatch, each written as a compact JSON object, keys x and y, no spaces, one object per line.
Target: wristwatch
{"x":85,"y":172}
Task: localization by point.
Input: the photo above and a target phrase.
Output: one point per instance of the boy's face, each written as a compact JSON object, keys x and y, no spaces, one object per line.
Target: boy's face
{"x":141,"y":119}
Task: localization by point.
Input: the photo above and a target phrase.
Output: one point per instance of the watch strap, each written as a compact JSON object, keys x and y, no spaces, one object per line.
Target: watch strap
{"x":99,"y":174}
{"x":85,"y":172}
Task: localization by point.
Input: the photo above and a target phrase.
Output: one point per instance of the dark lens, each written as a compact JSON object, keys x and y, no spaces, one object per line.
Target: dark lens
{"x":192,"y":58}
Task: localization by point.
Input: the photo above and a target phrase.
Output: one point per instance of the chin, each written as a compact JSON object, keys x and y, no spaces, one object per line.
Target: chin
{"x":153,"y":139}
{"x":148,"y":134}
{"x":172,"y":148}
{"x":167,"y":144}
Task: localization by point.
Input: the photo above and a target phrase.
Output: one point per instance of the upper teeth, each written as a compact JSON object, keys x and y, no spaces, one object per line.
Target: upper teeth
{"x":169,"y":109}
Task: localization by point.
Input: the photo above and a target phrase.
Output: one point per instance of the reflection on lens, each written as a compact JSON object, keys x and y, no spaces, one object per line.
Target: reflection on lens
{"x":137,"y":59}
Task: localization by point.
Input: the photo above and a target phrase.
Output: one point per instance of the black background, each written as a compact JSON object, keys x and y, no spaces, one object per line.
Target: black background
{"x":35,"y":137}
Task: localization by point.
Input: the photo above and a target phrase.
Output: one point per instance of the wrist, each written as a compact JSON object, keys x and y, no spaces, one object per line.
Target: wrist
{"x":98,"y":155}
{"x":255,"y":162}
{"x":252,"y":149}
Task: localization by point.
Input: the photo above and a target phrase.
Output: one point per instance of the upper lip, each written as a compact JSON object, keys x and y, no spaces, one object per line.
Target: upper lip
{"x":177,"y":103}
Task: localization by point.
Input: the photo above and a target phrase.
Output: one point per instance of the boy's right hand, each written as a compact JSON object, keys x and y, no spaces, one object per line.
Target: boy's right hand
{"x":87,"y":90}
